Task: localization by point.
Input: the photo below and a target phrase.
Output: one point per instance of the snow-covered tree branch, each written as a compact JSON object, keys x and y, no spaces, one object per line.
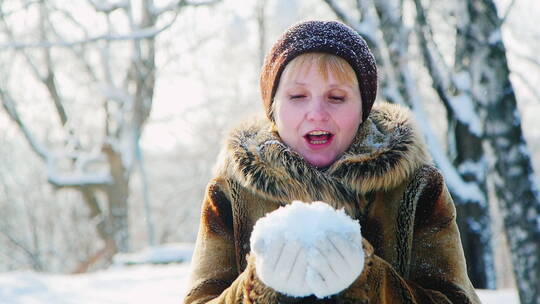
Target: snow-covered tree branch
{"x":178,"y":4}
{"x":98,"y":165}
{"x":104,"y":6}
{"x":11,"y":110}
{"x":143,"y":33}
{"x":365,"y":29}
{"x":527,"y":83}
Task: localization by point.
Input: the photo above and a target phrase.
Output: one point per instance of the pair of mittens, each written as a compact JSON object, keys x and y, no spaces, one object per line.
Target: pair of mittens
{"x":307,"y":248}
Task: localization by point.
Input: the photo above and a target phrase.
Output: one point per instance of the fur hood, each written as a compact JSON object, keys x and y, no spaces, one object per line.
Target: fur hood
{"x":386,"y":151}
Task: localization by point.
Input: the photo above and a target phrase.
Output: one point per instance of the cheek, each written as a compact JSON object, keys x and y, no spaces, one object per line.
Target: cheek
{"x":348,"y":122}
{"x":287,"y":119}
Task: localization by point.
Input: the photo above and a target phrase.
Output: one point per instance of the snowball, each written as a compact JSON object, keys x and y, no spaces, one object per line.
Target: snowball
{"x":305,"y":222}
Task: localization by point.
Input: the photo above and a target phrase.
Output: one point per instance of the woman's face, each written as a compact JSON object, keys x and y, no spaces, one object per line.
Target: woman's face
{"x":317,"y":117}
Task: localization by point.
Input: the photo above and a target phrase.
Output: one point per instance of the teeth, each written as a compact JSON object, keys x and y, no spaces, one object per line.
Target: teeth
{"x":318,"y":142}
{"x":318,"y":133}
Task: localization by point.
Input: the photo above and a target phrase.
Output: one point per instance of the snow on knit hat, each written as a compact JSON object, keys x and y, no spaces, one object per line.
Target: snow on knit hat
{"x":320,"y":36}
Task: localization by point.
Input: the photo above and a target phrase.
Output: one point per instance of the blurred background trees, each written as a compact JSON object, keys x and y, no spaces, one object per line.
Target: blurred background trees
{"x":90,"y":87}
{"x":91,"y":69}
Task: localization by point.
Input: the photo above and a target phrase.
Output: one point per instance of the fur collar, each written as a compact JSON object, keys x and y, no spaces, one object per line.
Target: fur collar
{"x":387,"y":149}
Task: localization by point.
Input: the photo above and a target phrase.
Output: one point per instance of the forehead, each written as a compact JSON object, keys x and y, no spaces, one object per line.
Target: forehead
{"x":326,"y":64}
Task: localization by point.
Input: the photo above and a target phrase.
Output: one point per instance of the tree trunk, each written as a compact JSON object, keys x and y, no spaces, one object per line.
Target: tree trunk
{"x":473,"y":212}
{"x":473,"y":215}
{"x":261,"y":26}
{"x":469,"y":158}
{"x":117,"y":197}
{"x":514,"y":180}
{"x":465,"y":150}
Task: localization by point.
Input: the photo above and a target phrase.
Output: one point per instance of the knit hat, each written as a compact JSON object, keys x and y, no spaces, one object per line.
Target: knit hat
{"x":320,"y":36}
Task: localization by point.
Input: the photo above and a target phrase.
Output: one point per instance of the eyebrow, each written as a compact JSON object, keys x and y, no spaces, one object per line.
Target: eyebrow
{"x":334,"y":85}
{"x":343,"y":84}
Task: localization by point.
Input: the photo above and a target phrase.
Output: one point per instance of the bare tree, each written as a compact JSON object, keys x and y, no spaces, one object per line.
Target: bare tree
{"x":465,"y":136}
{"x":117,"y":60}
{"x":481,"y":57}
{"x":515,"y":183}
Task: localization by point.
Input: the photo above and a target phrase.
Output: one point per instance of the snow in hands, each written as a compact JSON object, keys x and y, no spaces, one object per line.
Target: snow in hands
{"x":307,"y":248}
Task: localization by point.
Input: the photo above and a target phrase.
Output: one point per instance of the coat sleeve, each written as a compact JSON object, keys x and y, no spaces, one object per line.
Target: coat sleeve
{"x":436,"y":269}
{"x":214,"y":274}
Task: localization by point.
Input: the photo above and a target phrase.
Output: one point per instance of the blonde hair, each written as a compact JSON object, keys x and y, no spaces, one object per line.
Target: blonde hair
{"x":326,"y":63}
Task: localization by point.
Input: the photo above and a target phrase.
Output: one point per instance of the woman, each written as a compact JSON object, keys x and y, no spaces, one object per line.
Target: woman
{"x":322,"y":141}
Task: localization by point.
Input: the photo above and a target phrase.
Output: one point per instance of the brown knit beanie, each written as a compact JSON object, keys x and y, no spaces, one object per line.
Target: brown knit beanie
{"x":320,"y":36}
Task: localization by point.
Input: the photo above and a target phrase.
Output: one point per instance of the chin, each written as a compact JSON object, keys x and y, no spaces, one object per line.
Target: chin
{"x":321,"y":162}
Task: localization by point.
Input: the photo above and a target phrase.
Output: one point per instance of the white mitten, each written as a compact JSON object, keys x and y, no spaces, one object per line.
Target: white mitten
{"x":334,"y":263}
{"x":281,"y":264}
{"x":305,"y":249}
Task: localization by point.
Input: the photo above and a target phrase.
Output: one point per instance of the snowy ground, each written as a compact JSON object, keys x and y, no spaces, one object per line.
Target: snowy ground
{"x":164,"y":284}
{"x":136,"y":284}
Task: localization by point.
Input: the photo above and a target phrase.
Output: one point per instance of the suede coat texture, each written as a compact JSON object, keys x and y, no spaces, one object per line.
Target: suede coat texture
{"x":385,"y":180}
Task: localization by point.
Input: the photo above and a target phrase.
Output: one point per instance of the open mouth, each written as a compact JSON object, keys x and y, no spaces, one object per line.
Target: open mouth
{"x":318,"y":137}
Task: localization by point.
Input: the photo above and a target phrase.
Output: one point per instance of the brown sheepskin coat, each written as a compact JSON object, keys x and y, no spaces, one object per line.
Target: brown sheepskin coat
{"x":385,"y":180}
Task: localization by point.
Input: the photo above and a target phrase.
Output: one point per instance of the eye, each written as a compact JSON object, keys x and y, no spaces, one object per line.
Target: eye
{"x":337,"y":98}
{"x":297,"y":96}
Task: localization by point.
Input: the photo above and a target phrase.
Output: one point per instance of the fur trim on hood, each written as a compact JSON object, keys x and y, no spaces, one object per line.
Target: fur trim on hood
{"x":386,"y":151}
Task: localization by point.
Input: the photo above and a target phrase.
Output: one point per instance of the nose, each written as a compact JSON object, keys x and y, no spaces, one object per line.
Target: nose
{"x":317,"y":110}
